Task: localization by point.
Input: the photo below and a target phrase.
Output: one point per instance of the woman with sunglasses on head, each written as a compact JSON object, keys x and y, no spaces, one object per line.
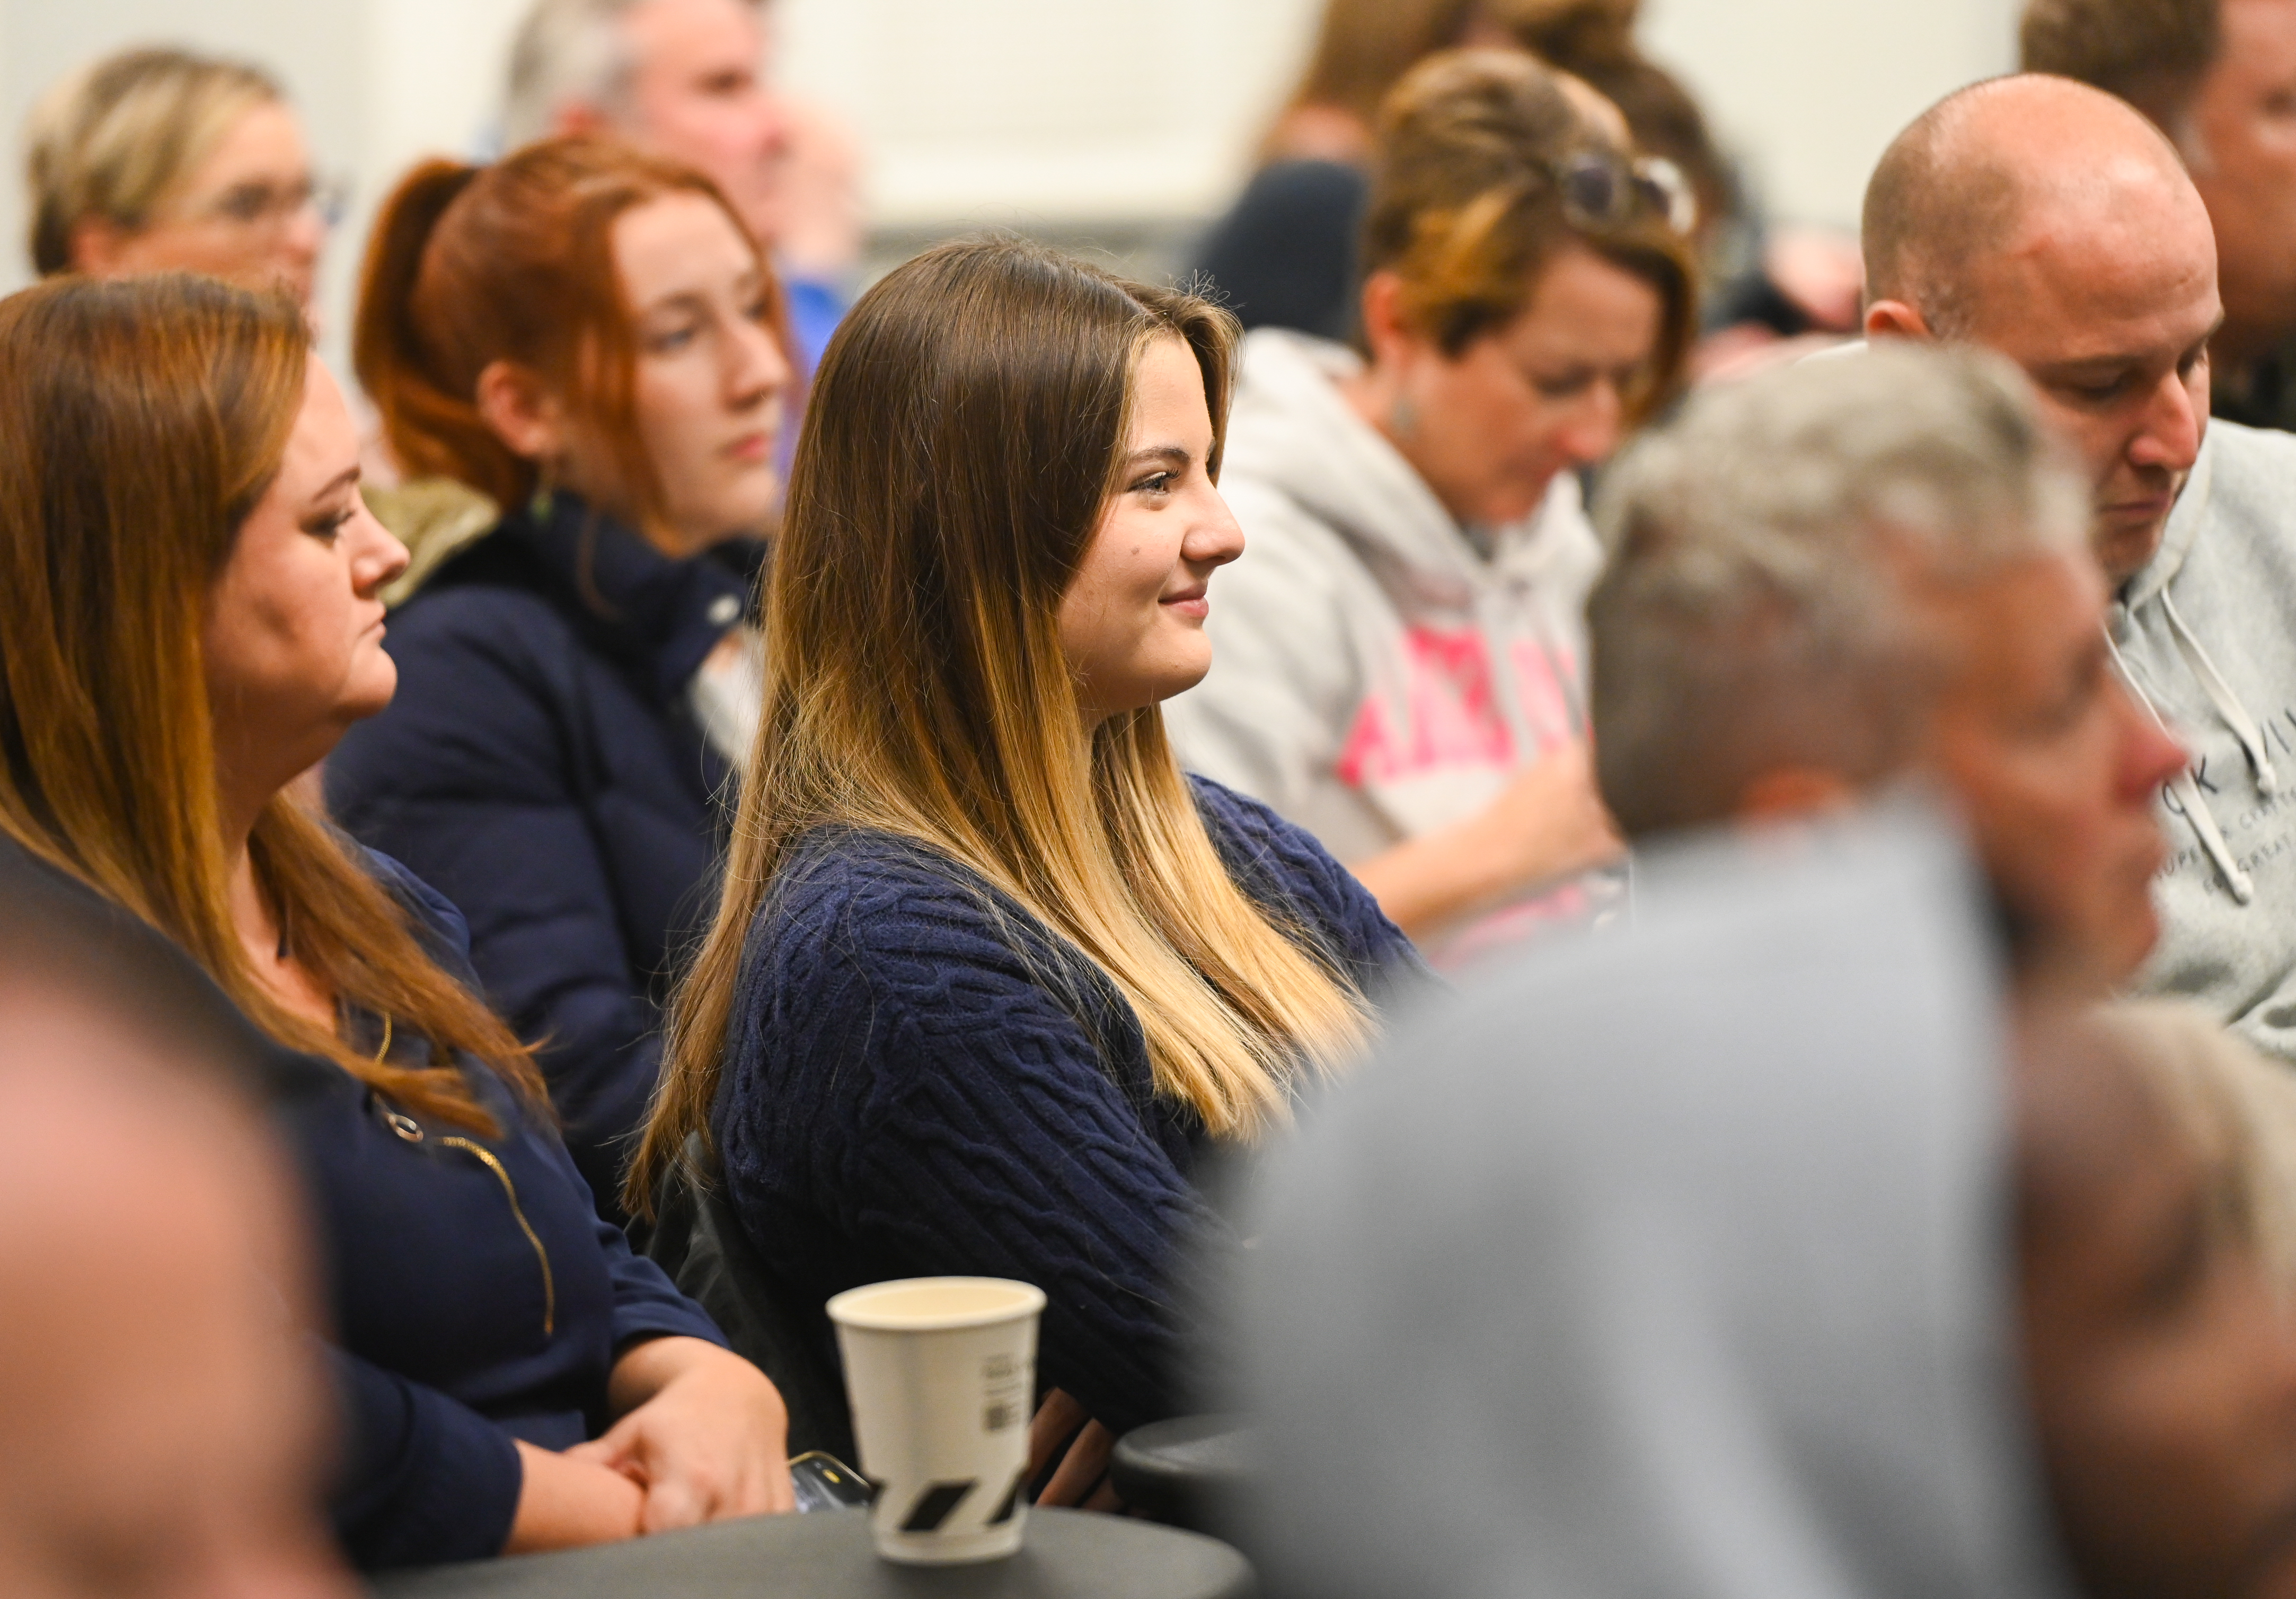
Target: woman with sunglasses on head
{"x":989,"y":975}
{"x":1397,"y":657}
{"x":159,"y":160}
{"x":588,"y":336}
{"x":192,"y":622}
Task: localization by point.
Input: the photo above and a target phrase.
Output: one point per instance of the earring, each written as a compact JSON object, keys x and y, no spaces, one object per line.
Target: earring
{"x":545,"y":496}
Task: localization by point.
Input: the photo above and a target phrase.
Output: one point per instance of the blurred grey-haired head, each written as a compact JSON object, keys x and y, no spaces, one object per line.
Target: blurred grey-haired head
{"x":566,"y":52}
{"x":1759,"y":608}
{"x":569,"y":53}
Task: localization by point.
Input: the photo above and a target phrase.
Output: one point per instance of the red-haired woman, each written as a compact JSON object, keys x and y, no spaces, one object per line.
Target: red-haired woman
{"x":586,"y":334}
{"x":192,"y":622}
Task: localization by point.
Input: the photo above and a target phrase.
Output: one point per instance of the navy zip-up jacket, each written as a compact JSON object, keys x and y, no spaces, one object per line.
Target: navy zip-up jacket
{"x":475,"y":1295}
{"x":539,"y":768}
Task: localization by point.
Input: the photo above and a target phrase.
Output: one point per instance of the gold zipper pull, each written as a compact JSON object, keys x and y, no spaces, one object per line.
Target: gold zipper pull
{"x":510,"y":1188}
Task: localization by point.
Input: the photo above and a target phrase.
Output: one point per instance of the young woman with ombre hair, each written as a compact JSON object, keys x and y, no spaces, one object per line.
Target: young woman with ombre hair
{"x":990,"y":975}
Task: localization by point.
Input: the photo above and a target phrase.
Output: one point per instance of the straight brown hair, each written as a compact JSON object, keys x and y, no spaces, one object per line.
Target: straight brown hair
{"x":141,"y":422}
{"x":965,"y":436}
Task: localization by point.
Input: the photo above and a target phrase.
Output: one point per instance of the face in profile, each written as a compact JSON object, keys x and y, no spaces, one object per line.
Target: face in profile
{"x":699,"y":94}
{"x":293,"y":636}
{"x":1132,"y":621}
{"x":248,"y":214}
{"x":160,"y":1409}
{"x":2055,"y":767}
{"x":2161,"y":1366}
{"x":1544,"y":393}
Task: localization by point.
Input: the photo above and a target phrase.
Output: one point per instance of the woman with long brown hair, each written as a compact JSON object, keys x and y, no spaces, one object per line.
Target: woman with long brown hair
{"x":192,"y":622}
{"x":989,"y":973}
{"x":1400,"y":668}
{"x":586,"y":335}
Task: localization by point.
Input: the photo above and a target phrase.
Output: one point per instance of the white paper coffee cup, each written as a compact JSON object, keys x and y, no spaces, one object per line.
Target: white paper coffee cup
{"x":942,"y":1373}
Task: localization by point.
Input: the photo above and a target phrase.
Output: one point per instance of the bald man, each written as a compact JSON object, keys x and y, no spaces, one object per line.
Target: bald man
{"x":2052,"y":222}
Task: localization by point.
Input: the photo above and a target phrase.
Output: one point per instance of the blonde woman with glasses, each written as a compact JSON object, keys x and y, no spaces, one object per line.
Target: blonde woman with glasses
{"x":156,"y":161}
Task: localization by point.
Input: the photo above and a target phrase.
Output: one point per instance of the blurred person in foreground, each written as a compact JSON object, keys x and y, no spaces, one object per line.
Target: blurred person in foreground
{"x":2219,"y":76}
{"x":1398,"y":654}
{"x":1790,"y":1284}
{"x":192,"y":580}
{"x":690,"y":79}
{"x":156,"y":161}
{"x":2237,"y":1106}
{"x":160,"y":1403}
{"x":1868,"y":572}
{"x":991,"y":980}
{"x":585,"y":334}
{"x":2049,"y":221}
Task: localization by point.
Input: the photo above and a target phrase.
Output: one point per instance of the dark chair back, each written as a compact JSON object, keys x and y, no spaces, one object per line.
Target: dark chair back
{"x":698,"y":1239}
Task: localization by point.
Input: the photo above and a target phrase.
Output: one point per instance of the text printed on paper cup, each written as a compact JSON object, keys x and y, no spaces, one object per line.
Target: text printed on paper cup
{"x":1005,"y":1393}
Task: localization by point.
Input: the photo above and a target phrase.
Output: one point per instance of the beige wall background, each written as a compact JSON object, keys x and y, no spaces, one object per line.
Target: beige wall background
{"x":1080,"y":117}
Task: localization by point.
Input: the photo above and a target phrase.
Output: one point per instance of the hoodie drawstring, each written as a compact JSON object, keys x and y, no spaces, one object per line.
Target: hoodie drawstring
{"x":2184,"y":787}
{"x":2221,"y":697}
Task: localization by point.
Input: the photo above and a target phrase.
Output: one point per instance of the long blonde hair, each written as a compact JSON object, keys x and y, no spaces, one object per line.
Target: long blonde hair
{"x":140,"y":421}
{"x":965,"y":437}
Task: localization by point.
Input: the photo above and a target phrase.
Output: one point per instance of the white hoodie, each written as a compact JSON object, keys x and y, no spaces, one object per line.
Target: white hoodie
{"x":2206,"y":635}
{"x":1376,"y":676}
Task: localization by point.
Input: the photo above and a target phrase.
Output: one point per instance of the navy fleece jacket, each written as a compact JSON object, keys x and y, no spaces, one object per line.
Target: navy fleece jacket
{"x":539,"y":768}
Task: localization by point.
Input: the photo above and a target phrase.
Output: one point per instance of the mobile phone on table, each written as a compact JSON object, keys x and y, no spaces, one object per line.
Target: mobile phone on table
{"x":825,"y":1482}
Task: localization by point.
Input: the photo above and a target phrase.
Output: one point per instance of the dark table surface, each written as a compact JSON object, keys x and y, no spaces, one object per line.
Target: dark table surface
{"x":1066,"y":1554}
{"x":1185,"y":1472}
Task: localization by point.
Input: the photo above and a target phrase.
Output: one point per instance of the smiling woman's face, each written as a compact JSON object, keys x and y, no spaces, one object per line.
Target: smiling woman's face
{"x":1132,"y":621}
{"x":293,"y":632}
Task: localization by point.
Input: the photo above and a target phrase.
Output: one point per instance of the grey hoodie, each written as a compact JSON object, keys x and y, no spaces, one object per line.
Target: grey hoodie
{"x":1375,"y":675}
{"x":2206,"y":635}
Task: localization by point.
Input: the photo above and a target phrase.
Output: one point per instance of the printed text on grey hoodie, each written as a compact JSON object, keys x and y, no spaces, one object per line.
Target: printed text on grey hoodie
{"x":2207,"y":635}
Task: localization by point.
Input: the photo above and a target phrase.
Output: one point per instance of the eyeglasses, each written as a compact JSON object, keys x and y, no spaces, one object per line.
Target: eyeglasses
{"x":1601,"y":190}
{"x":272,"y":206}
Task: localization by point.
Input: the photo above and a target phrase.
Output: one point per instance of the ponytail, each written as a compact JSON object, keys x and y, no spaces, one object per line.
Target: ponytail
{"x":513,"y":262}
{"x":430,"y":416}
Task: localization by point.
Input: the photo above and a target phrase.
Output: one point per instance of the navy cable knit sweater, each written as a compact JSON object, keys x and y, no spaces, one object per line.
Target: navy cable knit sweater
{"x":921,"y":1078}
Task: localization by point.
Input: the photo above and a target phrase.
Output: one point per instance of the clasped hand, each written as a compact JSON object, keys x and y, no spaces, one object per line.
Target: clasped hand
{"x":702,"y":1437}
